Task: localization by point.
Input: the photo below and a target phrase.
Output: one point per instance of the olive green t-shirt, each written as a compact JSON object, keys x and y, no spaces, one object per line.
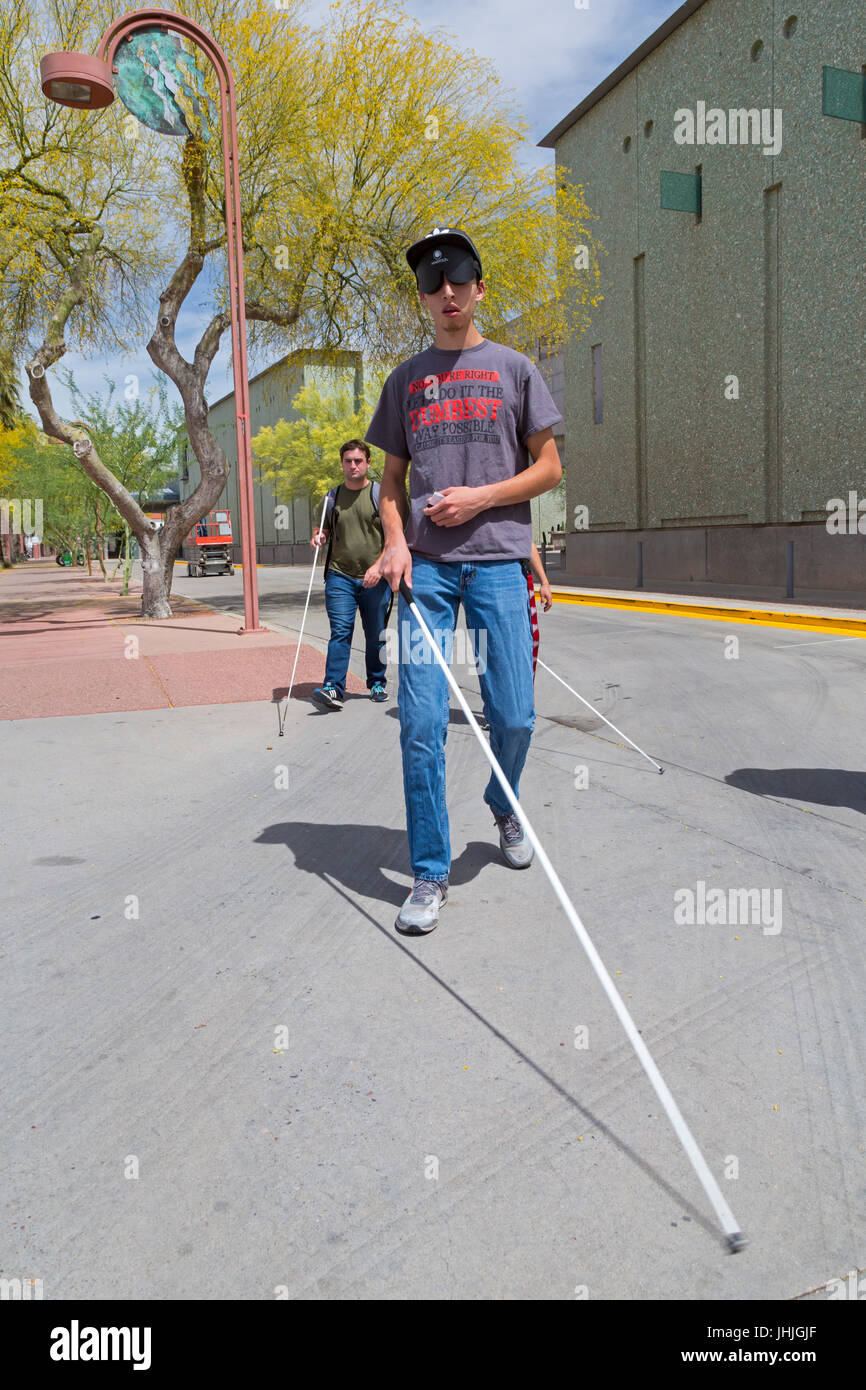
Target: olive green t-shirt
{"x":359,"y":538}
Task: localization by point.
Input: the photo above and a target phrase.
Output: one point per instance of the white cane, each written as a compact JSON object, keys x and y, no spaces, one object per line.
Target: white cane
{"x":600,"y":715}
{"x":304,"y":619}
{"x":736,"y":1239}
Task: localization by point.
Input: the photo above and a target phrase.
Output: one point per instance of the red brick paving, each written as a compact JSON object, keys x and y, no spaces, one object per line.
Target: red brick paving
{"x":64,"y":638}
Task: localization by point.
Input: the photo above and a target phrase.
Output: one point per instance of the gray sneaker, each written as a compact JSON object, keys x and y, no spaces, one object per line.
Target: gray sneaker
{"x":420,"y":911}
{"x":513,"y":842}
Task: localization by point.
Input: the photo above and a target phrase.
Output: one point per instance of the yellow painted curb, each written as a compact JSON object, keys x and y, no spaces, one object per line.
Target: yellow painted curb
{"x":807,"y":622}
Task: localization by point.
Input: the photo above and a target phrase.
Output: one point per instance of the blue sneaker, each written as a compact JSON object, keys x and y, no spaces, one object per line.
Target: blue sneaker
{"x":328,"y":697}
{"x":378,"y":692}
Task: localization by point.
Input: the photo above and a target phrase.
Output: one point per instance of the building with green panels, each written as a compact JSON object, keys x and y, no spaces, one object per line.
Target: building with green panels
{"x":717,"y":403}
{"x":271,"y":394}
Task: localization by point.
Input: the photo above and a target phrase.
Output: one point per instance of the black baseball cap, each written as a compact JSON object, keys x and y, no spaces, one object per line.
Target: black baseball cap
{"x":444,"y":251}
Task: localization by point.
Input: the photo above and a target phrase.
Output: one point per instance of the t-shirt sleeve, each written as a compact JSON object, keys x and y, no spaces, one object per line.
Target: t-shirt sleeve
{"x":538,"y":409}
{"x":387,"y":430}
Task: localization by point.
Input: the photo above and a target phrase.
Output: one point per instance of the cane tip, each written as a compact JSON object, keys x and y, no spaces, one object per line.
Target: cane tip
{"x":661,"y":770}
{"x":736,"y":1242}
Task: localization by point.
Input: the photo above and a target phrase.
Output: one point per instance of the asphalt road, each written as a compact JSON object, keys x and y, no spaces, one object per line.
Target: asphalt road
{"x":225,"y":1074}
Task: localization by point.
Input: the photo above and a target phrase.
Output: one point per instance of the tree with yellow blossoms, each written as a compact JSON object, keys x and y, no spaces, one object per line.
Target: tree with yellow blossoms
{"x":355,"y":139}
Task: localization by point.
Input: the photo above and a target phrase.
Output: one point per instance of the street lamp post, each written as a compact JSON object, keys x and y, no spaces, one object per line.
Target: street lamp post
{"x":86,"y":82}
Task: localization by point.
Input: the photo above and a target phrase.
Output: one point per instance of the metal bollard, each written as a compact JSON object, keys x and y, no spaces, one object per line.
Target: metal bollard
{"x":789,"y":580}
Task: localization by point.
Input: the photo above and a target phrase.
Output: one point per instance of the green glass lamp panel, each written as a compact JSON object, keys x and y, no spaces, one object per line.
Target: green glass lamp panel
{"x":681,"y":192}
{"x":159,"y":82}
{"x":844,"y":95}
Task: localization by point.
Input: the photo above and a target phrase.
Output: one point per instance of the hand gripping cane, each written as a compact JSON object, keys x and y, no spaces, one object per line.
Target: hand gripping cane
{"x":736,"y":1239}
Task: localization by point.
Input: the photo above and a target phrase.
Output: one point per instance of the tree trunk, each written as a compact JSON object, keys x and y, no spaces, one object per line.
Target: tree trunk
{"x":169,"y":554}
{"x":127,"y":562}
{"x":155,"y":588}
{"x":100,"y":541}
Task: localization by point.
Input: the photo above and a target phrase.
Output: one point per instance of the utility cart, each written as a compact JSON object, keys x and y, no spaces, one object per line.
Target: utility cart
{"x":208,"y":547}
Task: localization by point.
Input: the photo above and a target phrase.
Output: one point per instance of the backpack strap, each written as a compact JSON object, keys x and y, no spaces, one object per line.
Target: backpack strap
{"x":332,"y":501}
{"x":331,"y":504}
{"x":331,"y":514}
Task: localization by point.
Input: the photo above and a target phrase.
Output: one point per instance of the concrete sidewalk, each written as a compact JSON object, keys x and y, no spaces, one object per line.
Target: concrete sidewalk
{"x":70,"y":644}
{"x":201,"y":977}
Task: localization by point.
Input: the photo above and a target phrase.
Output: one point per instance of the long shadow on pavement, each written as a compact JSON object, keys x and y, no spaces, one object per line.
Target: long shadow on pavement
{"x":824,"y":786}
{"x":355,"y":855}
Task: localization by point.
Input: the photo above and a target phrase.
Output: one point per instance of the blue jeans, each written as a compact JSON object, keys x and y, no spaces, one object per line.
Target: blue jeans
{"x":344,"y":597}
{"x":493,"y":594}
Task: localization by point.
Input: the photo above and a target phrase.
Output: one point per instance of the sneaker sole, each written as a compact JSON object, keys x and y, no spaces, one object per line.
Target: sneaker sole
{"x":512,"y":865}
{"x":415,"y":931}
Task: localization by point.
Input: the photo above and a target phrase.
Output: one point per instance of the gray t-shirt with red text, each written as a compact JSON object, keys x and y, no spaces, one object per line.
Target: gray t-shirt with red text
{"x":463,"y":416}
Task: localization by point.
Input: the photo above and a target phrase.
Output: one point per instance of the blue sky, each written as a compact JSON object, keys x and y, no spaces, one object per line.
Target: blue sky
{"x":549,"y":53}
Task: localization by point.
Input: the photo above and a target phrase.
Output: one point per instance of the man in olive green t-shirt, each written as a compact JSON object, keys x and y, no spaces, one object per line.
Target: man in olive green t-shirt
{"x":356,"y":540}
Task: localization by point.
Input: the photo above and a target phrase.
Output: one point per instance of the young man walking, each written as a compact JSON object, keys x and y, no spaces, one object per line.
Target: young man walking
{"x":475,"y":419}
{"x":353,"y":530}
